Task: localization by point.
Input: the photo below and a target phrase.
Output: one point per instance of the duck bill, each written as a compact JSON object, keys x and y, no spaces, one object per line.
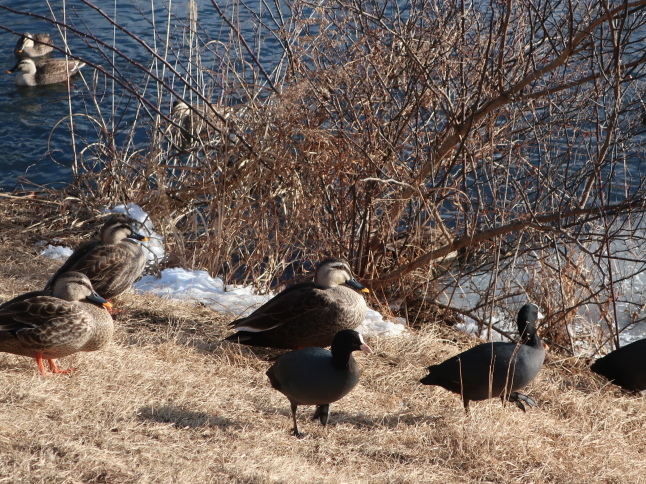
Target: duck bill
{"x":137,"y":236}
{"x":13,"y":69}
{"x":95,"y":298}
{"x":356,"y":285}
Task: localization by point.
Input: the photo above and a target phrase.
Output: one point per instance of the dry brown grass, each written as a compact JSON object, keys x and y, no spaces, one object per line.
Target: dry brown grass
{"x":167,"y":402}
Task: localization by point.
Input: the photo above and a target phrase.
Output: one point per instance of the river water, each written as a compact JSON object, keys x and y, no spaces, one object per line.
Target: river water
{"x":36,"y":137}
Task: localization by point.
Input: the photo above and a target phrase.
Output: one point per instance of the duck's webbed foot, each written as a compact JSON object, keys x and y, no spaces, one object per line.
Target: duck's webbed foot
{"x":55,"y":369}
{"x":52,"y":365}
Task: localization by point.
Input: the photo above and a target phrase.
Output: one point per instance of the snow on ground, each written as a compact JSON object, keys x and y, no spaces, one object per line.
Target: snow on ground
{"x":198,"y":286}
{"x":376,"y":325}
{"x":56,"y":252}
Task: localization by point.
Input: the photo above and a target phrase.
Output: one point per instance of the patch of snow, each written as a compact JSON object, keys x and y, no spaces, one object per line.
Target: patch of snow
{"x":376,"y":325}
{"x":56,"y":252}
{"x":198,"y":286}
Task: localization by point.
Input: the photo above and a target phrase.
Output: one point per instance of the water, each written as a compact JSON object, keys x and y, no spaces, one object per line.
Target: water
{"x":34,"y":122}
{"x":36,"y":145}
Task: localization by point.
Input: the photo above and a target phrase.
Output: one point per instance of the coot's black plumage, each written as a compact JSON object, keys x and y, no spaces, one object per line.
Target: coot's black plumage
{"x":494,"y":369}
{"x":306,"y":314}
{"x":625,"y":366}
{"x":316,"y":376}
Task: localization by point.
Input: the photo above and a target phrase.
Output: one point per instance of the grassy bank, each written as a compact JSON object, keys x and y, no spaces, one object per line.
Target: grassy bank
{"x":168,"y":402}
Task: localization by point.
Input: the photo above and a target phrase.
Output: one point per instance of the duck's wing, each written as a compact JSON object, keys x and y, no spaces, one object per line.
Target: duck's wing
{"x":297,"y":301}
{"x":99,"y":262}
{"x":108,"y":261}
{"x":43,"y":321}
{"x":26,"y":295}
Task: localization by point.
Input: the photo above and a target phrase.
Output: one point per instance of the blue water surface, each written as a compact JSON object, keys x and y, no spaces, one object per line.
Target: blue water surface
{"x":37,"y":144}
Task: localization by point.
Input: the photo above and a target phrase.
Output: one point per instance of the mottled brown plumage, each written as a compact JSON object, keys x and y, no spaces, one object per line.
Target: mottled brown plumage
{"x":306,"y":314}
{"x":57,"y":323}
{"x":205,"y":124}
{"x":33,"y":46}
{"x":112,"y":263}
{"x":45,"y":72}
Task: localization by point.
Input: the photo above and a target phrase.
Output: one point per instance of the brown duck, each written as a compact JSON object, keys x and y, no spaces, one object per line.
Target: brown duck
{"x":203,"y":124}
{"x":47,"y":71}
{"x":53,"y":324}
{"x":33,"y":46}
{"x":306,"y":314}
{"x":112,"y":263}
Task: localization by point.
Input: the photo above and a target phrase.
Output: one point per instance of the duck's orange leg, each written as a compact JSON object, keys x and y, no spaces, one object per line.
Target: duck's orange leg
{"x":55,"y":369}
{"x":52,"y":366}
{"x":41,"y":365}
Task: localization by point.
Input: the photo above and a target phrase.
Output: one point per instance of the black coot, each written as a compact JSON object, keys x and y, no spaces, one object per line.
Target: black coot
{"x":625,"y":366}
{"x":316,"y":376}
{"x":494,"y":369}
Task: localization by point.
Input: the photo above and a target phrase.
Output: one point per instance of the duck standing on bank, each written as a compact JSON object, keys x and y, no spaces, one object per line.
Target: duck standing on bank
{"x":306,"y":314}
{"x":53,"y":324}
{"x":48,"y":71}
{"x":316,"y":376}
{"x":33,"y":46}
{"x":113,"y":263}
{"x":626,"y":366}
{"x":494,"y":369}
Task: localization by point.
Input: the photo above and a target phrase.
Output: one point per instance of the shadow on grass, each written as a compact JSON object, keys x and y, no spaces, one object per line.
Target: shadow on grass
{"x":183,"y":418}
{"x":258,"y":352}
{"x":365,"y":421}
{"x":357,"y":420}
